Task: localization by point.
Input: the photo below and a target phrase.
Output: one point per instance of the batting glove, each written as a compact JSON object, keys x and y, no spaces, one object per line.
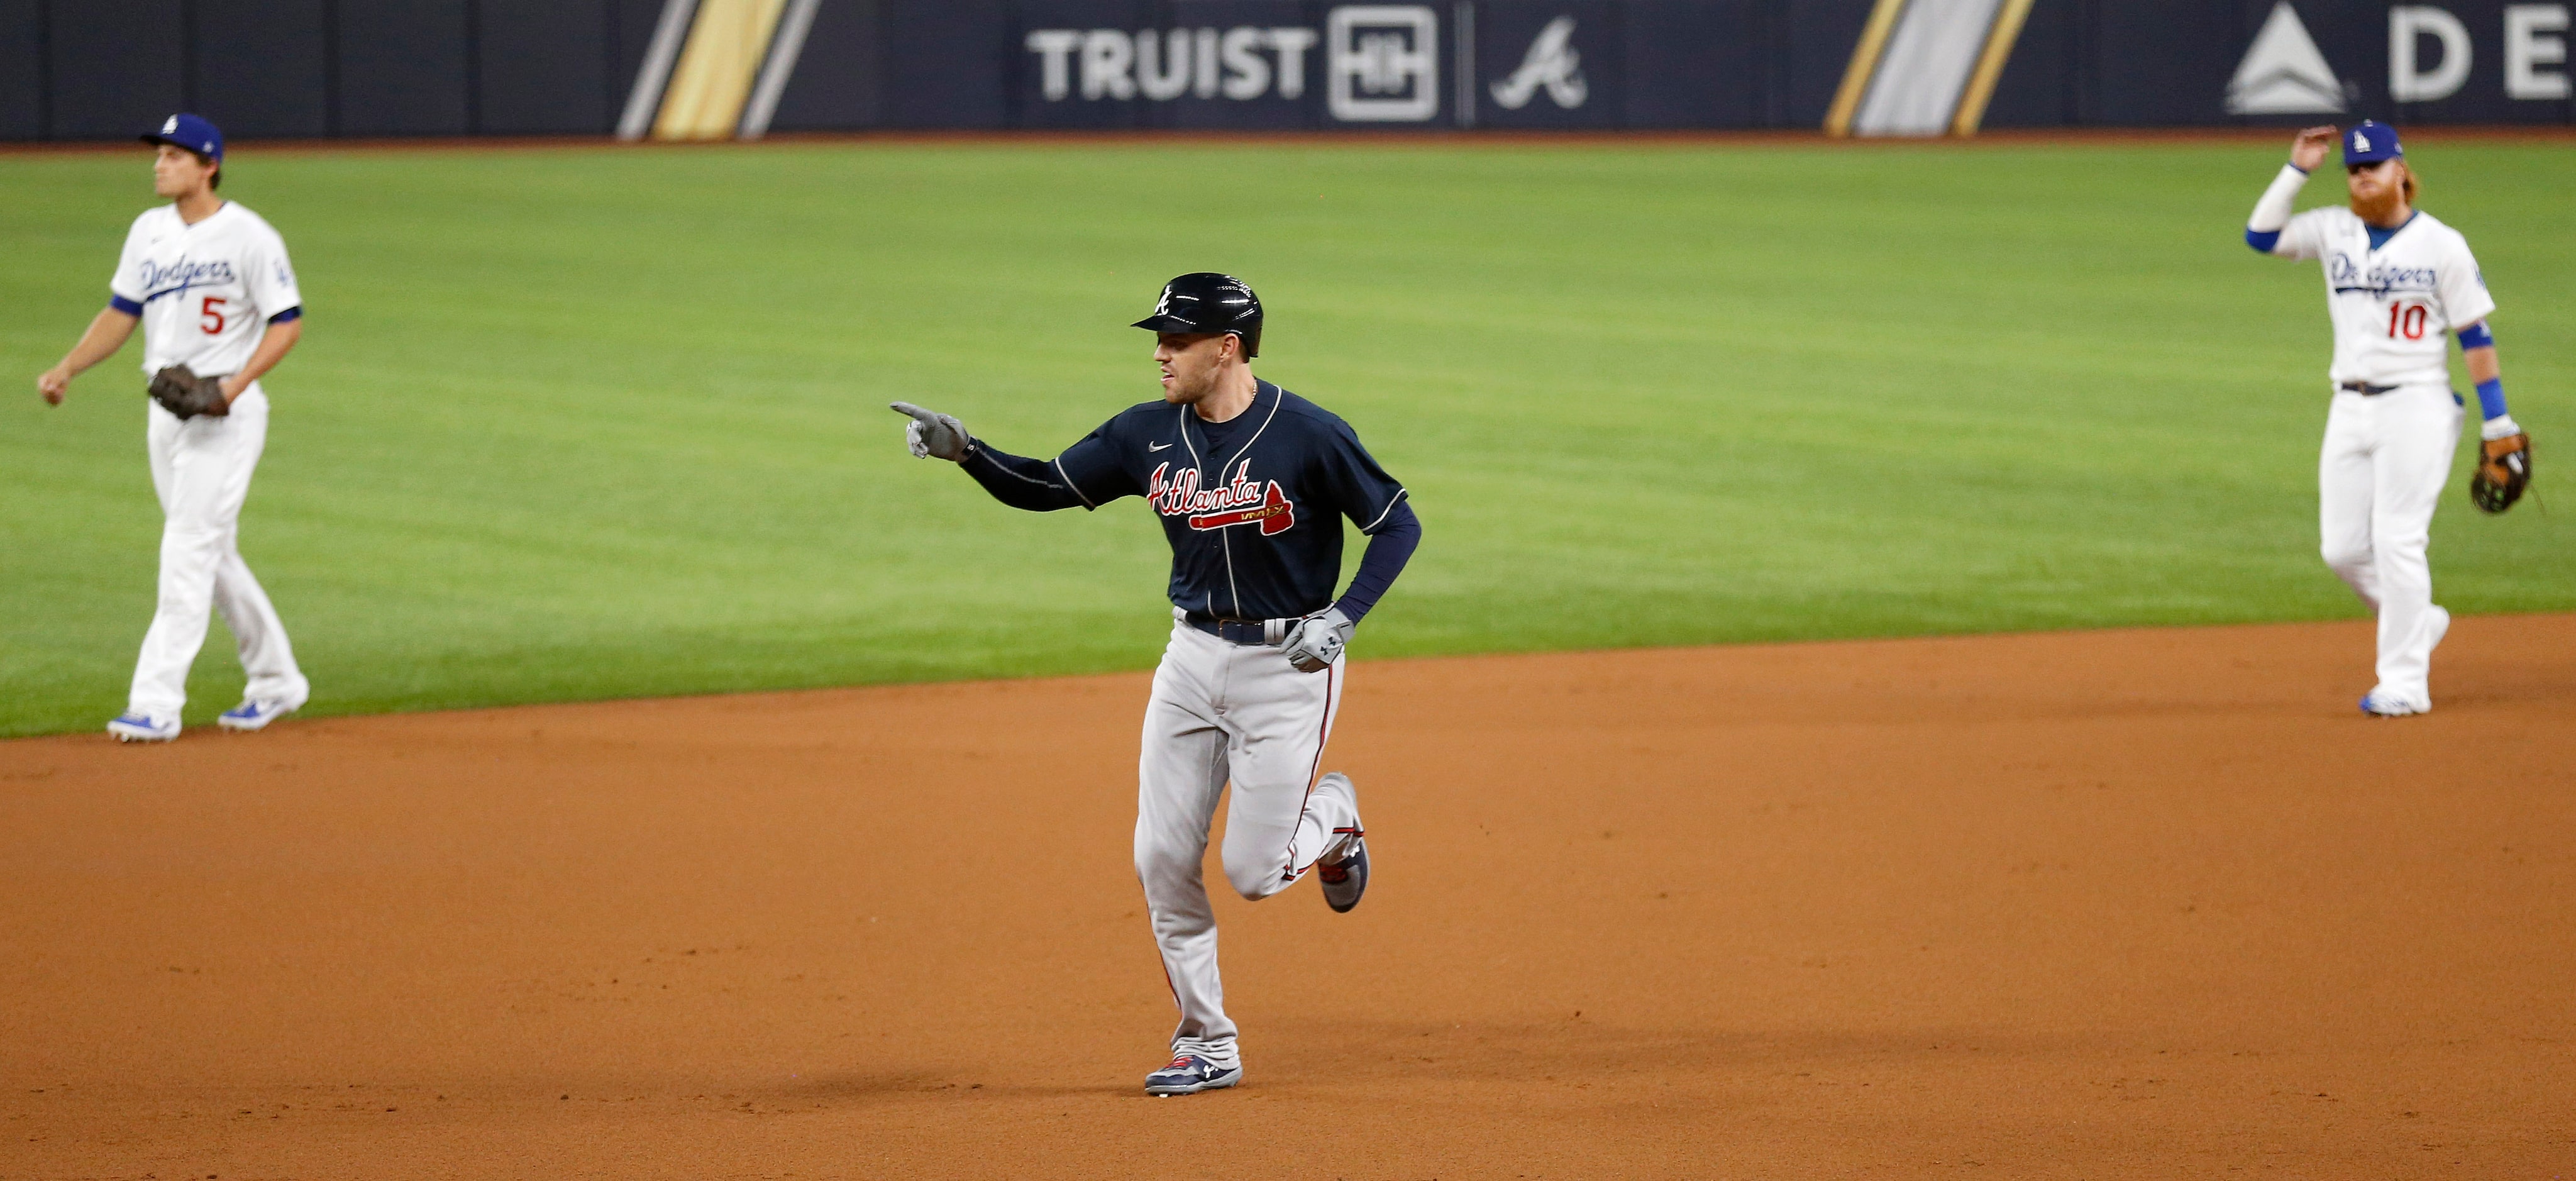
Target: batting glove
{"x":932,"y":435}
{"x":1317,"y":640}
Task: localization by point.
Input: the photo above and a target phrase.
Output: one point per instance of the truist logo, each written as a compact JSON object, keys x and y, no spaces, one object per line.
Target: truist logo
{"x":1381,"y":63}
{"x":183,"y":273}
{"x":1239,"y":501}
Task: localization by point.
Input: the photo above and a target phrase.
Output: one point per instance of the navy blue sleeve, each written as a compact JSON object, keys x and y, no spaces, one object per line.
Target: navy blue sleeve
{"x":1092,"y":468}
{"x":1388,"y":550}
{"x":1359,"y":487}
{"x":2262,"y":240}
{"x":122,"y":304}
{"x":1018,"y":481}
{"x":1087,"y":475}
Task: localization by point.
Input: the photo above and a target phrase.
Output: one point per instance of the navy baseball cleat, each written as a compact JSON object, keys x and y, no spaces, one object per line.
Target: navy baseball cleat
{"x":1190,"y":1074}
{"x":1344,"y":877}
{"x":1342,"y":872}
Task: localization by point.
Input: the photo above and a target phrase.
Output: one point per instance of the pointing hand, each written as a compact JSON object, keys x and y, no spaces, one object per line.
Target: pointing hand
{"x":932,"y":435}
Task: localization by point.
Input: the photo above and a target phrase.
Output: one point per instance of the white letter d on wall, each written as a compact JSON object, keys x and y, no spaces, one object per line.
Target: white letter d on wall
{"x":2408,"y":24}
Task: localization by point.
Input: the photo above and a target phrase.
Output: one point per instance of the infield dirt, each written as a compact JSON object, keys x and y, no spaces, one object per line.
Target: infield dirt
{"x":2135,"y":903}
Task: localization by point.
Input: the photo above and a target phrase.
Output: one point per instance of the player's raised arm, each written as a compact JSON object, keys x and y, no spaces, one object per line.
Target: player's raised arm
{"x":2272,"y":213}
{"x":1034,"y":484}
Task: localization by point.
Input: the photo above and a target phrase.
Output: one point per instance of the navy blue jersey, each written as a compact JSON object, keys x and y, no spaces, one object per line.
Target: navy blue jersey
{"x":1253,"y":506}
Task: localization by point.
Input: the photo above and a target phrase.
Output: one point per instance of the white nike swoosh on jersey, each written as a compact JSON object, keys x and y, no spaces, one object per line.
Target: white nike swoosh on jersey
{"x":1151,"y":447}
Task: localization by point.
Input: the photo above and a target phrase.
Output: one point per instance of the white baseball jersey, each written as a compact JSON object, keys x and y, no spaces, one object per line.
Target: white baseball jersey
{"x":206,"y":292}
{"x":2394,"y":308}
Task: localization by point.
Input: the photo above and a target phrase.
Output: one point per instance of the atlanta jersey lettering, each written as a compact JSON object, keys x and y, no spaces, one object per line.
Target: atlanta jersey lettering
{"x":206,"y":292}
{"x":1253,"y":506}
{"x":2395,"y":307}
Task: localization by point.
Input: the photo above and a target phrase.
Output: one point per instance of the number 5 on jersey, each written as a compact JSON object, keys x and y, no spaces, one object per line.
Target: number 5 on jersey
{"x":210,"y":315}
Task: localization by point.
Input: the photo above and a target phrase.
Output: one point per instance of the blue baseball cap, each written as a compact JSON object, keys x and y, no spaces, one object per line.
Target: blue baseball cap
{"x":2369,"y":142}
{"x":192,"y":134}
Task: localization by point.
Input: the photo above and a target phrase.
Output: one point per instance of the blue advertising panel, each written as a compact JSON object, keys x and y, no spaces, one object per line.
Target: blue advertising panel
{"x":1253,"y":64}
{"x":947,"y":65}
{"x":261,"y":67}
{"x":542,"y":69}
{"x":76,"y":70}
{"x":1696,"y":63}
{"x":1231,"y":63}
{"x":22,"y":69}
{"x":1541,"y":63}
{"x":116,"y":69}
{"x":1080,"y":63}
{"x":402,"y":68}
{"x":840,"y":74}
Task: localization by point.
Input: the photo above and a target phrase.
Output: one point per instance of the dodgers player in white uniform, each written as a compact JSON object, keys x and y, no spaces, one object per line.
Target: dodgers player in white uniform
{"x":2398,"y":283}
{"x":210,"y":283}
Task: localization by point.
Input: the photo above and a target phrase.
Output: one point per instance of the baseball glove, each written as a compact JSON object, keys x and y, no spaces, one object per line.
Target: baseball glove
{"x":2504,"y":470}
{"x":180,"y":391}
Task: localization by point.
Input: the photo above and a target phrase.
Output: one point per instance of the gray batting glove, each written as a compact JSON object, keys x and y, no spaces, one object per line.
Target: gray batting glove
{"x":932,"y":435}
{"x":1317,"y":640}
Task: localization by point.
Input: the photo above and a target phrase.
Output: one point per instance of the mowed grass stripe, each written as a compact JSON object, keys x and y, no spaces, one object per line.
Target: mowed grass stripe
{"x":582,"y":423}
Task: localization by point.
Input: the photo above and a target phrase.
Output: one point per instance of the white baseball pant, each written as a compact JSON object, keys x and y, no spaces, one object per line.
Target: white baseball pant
{"x":1220,"y":713}
{"x":2379,"y":478}
{"x":201,"y":470}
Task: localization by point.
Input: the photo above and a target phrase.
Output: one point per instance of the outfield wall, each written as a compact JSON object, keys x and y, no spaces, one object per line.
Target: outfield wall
{"x":703,"y":69}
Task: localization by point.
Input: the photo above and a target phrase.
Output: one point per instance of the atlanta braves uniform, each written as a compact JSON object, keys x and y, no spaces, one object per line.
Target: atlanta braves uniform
{"x":1253,"y":509}
{"x":206,"y":294}
{"x":2394,"y":296}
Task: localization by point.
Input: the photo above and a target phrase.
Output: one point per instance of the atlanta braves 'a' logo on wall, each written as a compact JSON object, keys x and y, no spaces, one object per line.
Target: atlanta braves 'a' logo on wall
{"x":1239,"y":501}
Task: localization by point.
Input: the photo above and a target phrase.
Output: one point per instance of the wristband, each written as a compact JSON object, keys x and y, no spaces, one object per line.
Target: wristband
{"x":2491,"y":398}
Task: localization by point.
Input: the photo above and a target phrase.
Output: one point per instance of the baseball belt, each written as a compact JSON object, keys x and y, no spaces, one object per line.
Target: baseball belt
{"x":1264,"y":633}
{"x":2367,"y":390}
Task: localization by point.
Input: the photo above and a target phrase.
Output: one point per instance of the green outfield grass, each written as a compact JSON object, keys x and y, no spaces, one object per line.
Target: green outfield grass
{"x":589,"y":423}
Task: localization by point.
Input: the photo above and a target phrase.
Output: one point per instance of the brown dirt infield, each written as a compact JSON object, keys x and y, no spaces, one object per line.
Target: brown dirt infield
{"x":2144,"y":903}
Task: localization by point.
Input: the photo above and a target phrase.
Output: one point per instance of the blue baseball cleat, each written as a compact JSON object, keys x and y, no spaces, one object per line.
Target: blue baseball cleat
{"x":253,"y":714}
{"x":143,"y":728}
{"x":2389,"y":707}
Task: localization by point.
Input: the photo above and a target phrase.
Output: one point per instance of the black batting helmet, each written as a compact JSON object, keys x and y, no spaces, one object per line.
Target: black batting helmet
{"x":1205,"y":301}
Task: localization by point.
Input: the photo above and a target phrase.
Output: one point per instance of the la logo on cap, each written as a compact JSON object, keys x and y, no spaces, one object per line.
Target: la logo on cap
{"x":2360,"y":142}
{"x":169,"y":125}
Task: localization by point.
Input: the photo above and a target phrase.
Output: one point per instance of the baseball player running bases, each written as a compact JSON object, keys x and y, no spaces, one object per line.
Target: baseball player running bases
{"x":1251,"y":484}
{"x":210,"y":283}
{"x":2398,"y":282}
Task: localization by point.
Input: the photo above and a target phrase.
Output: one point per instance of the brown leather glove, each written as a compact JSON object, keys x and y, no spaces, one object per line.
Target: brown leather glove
{"x":2504,"y":470}
{"x":180,"y":391}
